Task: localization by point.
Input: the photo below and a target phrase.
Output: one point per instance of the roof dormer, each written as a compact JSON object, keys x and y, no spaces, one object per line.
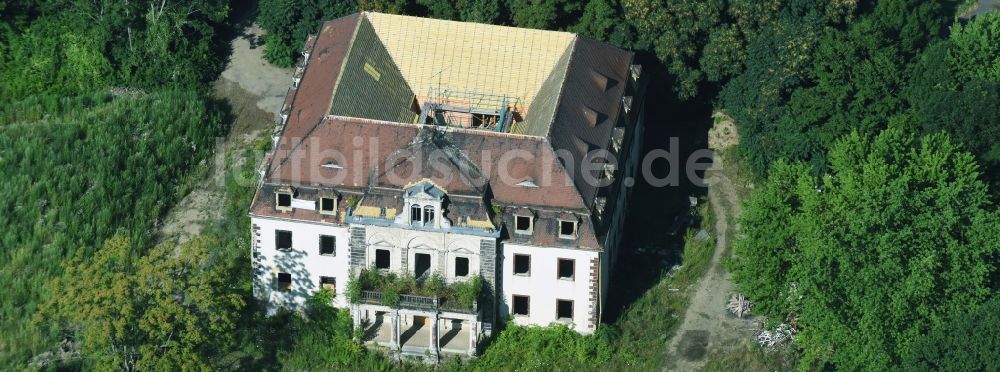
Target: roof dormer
{"x":424,"y":203}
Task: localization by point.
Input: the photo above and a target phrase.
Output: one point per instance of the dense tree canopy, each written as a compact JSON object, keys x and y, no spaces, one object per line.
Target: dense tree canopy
{"x":173,"y":308}
{"x":899,"y":234}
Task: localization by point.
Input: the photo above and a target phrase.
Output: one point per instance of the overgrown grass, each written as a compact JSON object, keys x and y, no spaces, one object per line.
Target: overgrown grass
{"x":78,"y":171}
{"x":650,"y":322}
{"x":750,"y":357}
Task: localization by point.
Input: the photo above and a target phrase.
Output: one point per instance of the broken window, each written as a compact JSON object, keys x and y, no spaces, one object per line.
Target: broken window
{"x":283,"y":201}
{"x":327,"y":245}
{"x":415,"y":213}
{"x":522,"y":224}
{"x":567,"y":268}
{"x":461,"y":266}
{"x":283,"y":240}
{"x":382,"y":258}
{"x":520,"y":305}
{"x":284,"y":282}
{"x":421,"y":264}
{"x":327,"y":282}
{"x":327,"y":205}
{"x":522,"y":264}
{"x":567,"y":229}
{"x":564,"y":309}
{"x":428,"y":214}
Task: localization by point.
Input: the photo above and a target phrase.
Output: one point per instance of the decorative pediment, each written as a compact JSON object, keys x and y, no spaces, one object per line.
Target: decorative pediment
{"x":463,"y":250}
{"x":425,"y":190}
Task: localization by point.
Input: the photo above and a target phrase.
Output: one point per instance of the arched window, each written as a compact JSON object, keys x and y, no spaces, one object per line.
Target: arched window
{"x":415,"y":213}
{"x":428,"y":214}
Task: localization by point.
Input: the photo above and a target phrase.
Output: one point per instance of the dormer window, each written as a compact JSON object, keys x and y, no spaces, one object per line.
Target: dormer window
{"x":428,"y":214}
{"x":426,"y":202}
{"x":416,"y":214}
{"x":327,"y":205}
{"x":567,"y":229}
{"x":283,"y":199}
{"x":523,"y":224}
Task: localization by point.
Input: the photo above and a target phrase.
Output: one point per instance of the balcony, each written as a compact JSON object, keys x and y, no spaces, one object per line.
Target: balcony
{"x":374,"y":287}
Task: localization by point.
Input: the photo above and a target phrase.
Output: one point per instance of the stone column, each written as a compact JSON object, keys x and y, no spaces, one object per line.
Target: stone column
{"x":435,"y":348}
{"x":473,"y":336}
{"x":395,"y":329}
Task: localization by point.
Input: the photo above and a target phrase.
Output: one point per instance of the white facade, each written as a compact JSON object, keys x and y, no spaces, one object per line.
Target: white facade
{"x":544,"y":288}
{"x":303,"y":261}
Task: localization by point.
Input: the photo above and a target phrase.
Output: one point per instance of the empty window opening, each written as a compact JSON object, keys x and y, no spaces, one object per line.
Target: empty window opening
{"x":421,"y":264}
{"x":382,"y":258}
{"x":461,"y":266}
{"x":415,"y":213}
{"x":564,"y":309}
{"x":327,"y":205}
{"x":522,"y":224}
{"x":428,"y":214}
{"x":284,"y":282}
{"x":520,"y":305}
{"x":284,"y":200}
{"x":522,"y":264}
{"x":327,"y":282}
{"x":567,"y":229}
{"x":327,"y":245}
{"x":567,"y":268}
{"x":283,"y":240}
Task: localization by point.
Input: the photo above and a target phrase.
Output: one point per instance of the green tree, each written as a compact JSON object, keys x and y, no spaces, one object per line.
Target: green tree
{"x":677,"y":30}
{"x":544,"y":14}
{"x":898,"y":235}
{"x":965,"y":342}
{"x":289,"y":22}
{"x":955,"y":87}
{"x":600,"y":17}
{"x":171,"y":309}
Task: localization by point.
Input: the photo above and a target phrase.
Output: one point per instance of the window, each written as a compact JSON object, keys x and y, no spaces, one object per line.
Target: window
{"x":421,"y":264}
{"x":428,"y":214}
{"x":283,"y":201}
{"x":283,"y":240}
{"x":415,"y":213}
{"x":567,"y":229}
{"x":327,"y":245}
{"x":522,"y":264}
{"x":520,"y":304}
{"x":522,"y":224}
{"x":382,"y":258}
{"x":327,"y":205}
{"x":327,"y":282}
{"x":284,"y":282}
{"x":564,"y":309}
{"x":567,"y":268}
{"x":461,"y":266}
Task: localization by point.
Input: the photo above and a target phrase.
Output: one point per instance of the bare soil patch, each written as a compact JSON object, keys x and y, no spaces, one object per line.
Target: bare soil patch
{"x":707,"y":325}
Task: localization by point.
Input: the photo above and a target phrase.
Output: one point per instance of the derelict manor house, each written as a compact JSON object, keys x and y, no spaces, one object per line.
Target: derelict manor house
{"x":415,"y":158}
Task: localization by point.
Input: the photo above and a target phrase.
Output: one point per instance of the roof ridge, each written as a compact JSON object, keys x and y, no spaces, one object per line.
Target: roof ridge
{"x":439,"y":127}
{"x":467,"y":22}
{"x":343,"y":63}
{"x":562,"y":85}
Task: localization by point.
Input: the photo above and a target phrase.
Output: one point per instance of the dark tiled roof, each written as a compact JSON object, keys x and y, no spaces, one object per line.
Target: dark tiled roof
{"x":312,"y":99}
{"x":589,"y":105}
{"x":367,"y":148}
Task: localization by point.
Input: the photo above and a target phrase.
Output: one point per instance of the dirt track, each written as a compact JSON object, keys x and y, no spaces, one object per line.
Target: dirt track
{"x":707,"y":325}
{"x":254,"y":90}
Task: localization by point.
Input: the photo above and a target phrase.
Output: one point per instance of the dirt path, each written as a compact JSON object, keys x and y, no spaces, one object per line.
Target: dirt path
{"x":707,"y":325}
{"x":254,"y":90}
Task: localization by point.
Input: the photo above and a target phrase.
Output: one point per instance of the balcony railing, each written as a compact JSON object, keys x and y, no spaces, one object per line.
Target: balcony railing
{"x":418,"y":302}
